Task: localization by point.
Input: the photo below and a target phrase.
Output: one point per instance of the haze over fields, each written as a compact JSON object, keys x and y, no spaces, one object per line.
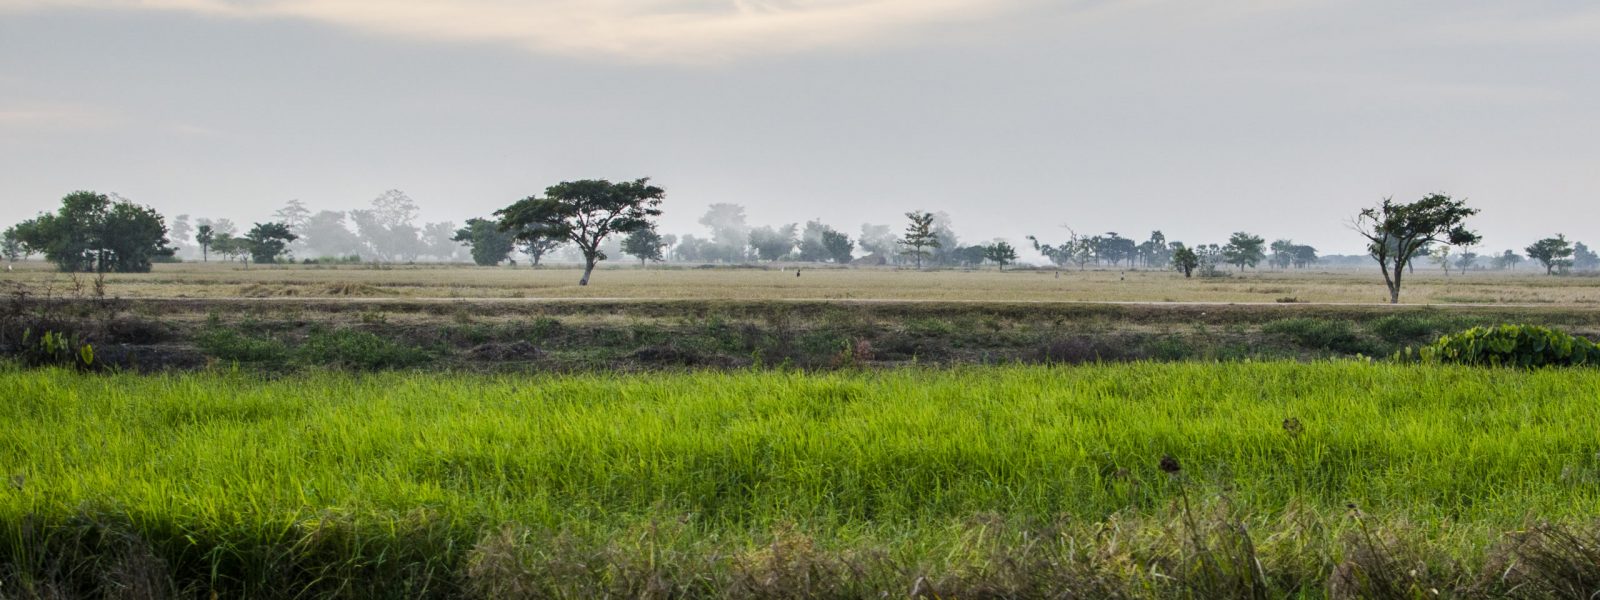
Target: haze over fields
{"x":1014,"y":116}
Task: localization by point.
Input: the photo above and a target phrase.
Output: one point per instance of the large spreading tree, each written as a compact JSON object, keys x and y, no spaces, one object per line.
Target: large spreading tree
{"x":1396,"y":232}
{"x":585,"y":213}
{"x":93,"y":233}
{"x":1554,"y":253}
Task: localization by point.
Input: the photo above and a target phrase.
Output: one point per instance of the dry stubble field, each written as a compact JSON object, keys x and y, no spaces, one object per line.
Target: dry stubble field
{"x":620,"y":281}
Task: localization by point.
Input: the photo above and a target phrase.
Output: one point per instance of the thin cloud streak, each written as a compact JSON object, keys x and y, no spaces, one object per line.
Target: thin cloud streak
{"x":644,"y":31}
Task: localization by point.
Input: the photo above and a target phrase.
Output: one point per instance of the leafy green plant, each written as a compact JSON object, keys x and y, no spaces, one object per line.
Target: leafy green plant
{"x":54,"y":348}
{"x":1524,"y":346}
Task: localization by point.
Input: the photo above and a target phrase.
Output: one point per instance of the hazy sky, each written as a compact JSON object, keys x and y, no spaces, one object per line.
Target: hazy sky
{"x":1281,"y":117}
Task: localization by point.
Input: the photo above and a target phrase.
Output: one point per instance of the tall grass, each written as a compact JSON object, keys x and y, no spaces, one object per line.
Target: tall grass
{"x":456,"y":484}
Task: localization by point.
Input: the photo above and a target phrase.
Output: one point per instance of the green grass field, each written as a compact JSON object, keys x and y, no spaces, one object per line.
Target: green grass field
{"x":968,"y":482}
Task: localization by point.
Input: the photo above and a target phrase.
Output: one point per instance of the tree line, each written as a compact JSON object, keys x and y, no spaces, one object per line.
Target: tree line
{"x":597,"y":219}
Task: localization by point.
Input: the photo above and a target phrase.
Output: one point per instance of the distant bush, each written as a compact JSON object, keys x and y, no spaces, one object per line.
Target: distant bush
{"x":1524,"y":346}
{"x":353,"y":259}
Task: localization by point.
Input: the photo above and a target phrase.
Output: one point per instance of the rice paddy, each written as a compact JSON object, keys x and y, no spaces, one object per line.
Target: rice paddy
{"x":926,"y":483}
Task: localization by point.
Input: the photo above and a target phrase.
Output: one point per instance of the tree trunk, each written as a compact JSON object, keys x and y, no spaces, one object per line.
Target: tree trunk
{"x":1394,"y":286}
{"x":588,"y":268}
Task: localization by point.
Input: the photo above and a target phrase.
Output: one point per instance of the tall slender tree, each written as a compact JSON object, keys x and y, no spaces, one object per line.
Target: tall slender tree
{"x":920,"y":236}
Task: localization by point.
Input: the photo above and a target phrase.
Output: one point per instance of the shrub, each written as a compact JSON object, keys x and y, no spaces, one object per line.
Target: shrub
{"x":1320,"y":334}
{"x":230,"y":345}
{"x":1412,"y":328}
{"x":1525,"y":346}
{"x":357,"y":349}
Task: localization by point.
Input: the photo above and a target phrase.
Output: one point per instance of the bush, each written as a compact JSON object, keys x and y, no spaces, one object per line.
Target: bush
{"x":358,"y":350}
{"x":1524,"y":346}
{"x":230,"y":345}
{"x":1412,"y":328}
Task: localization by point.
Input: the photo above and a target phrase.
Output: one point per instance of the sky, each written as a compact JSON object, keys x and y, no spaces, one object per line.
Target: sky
{"x":1282,"y":118}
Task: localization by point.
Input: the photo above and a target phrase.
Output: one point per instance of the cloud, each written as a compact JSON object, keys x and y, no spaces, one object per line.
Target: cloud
{"x":652,"y":31}
{"x":54,"y":117}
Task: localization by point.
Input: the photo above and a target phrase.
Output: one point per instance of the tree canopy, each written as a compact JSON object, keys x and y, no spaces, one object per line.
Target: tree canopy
{"x":1554,"y":253}
{"x":269,"y":241}
{"x":920,"y":236}
{"x":645,"y":245}
{"x":1397,"y":232}
{"x":585,"y":213}
{"x":93,"y":233}
{"x":490,"y":245}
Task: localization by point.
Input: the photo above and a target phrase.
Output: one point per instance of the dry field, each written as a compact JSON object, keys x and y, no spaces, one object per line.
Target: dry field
{"x":617,"y":281}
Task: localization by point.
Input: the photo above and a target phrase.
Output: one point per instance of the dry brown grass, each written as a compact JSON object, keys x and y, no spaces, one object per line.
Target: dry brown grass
{"x":219,"y":280}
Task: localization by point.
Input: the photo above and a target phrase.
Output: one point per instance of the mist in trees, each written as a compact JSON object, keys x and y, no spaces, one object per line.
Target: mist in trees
{"x":94,"y":232}
{"x":586,"y":213}
{"x":774,"y":243}
{"x":490,"y":245}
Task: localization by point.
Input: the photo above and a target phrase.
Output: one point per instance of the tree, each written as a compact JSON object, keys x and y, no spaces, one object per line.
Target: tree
{"x":204,"y":236}
{"x":219,"y":226}
{"x":729,"y":232}
{"x":1155,"y":251}
{"x":946,"y":236}
{"x":11,"y":246}
{"x":1554,"y":253}
{"x":537,"y":246}
{"x":1507,"y":260}
{"x":645,"y":245}
{"x":180,"y":230}
{"x":772,"y":244}
{"x":325,"y":234}
{"x":294,"y":214}
{"x":1282,"y":253}
{"x":969,"y":256}
{"x":1185,"y":260}
{"x":1396,"y":231}
{"x":489,"y":244}
{"x":876,"y":239}
{"x":93,"y":232}
{"x":1584,"y":259}
{"x":1000,"y":252}
{"x":1304,"y":256}
{"x":585,"y":213}
{"x":919,"y":235}
{"x":1244,"y":250}
{"x":268,"y":241}
{"x":389,"y":229}
{"x":1441,"y":257}
{"x":1115,"y":248}
{"x":439,"y":241}
{"x":1465,"y":261}
{"x":232,"y":248}
{"x":838,"y":246}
